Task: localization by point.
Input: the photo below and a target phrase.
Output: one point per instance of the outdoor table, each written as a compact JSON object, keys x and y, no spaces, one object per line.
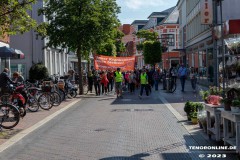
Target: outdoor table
{"x":213,"y":110}
{"x":229,"y":137}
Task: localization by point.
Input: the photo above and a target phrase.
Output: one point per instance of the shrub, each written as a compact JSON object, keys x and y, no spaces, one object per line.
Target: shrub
{"x":194,"y":114}
{"x":236,"y":103}
{"x":38,"y":72}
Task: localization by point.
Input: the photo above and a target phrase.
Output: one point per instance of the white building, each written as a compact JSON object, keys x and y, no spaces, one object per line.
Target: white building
{"x":34,"y":49}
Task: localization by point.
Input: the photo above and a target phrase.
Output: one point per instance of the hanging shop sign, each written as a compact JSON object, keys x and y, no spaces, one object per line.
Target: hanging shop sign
{"x":206,"y":12}
{"x":232,"y":27}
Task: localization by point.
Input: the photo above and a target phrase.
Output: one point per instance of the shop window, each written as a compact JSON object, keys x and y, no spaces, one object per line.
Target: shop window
{"x":20,"y":68}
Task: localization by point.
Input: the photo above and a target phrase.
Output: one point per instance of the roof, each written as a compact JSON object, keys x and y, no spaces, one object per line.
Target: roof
{"x":172,"y":18}
{"x":165,"y":12}
{"x":139,"y":22}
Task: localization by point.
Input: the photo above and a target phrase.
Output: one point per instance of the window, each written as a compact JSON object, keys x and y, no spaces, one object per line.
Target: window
{"x":168,"y":39}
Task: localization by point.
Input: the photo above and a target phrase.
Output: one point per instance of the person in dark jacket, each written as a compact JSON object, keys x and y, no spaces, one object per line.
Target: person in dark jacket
{"x":96,"y":82}
{"x":5,"y":81}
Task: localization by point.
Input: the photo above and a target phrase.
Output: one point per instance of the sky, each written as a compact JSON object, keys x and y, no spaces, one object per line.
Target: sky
{"x":140,"y":9}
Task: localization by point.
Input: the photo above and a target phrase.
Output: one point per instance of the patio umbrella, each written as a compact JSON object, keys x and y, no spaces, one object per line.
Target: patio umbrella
{"x":7,"y":52}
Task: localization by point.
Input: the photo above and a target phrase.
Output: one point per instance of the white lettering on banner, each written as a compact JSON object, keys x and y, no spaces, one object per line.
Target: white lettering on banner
{"x":206,"y":12}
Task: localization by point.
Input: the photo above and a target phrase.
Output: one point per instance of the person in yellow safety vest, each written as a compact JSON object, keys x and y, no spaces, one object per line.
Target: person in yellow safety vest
{"x":118,"y":78}
{"x":144,"y":83}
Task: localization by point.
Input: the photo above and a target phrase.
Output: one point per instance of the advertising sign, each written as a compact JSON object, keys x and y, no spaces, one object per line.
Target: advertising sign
{"x":206,"y":12}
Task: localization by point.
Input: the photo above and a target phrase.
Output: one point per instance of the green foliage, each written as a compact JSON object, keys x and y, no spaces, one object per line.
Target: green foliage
{"x":140,"y":46}
{"x":38,"y":72}
{"x":236,"y":103}
{"x":113,"y":45}
{"x":204,"y":94}
{"x":107,"y":49}
{"x":81,"y":25}
{"x":226,"y":101}
{"x":187,"y":107}
{"x":14,"y":18}
{"x":213,"y":90}
{"x":194,"y":114}
{"x":152,"y":52}
{"x":147,"y":35}
{"x":190,"y":107}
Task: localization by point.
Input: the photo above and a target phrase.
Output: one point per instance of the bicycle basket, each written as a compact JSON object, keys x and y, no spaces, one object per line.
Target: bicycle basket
{"x":47,"y":86}
{"x":61,"y":85}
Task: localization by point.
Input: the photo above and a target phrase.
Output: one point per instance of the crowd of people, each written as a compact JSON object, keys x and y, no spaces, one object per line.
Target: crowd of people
{"x":5,"y":80}
{"x":105,"y":82}
{"x":144,"y":79}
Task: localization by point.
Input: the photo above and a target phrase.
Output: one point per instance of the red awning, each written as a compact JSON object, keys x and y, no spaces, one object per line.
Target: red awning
{"x":20,"y":54}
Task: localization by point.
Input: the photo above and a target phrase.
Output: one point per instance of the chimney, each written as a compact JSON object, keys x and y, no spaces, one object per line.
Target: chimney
{"x":126,"y":29}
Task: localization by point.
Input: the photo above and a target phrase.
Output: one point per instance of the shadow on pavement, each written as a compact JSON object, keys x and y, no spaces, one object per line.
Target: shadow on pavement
{"x":207,"y":148}
{"x":133,"y":157}
{"x":133,"y":98}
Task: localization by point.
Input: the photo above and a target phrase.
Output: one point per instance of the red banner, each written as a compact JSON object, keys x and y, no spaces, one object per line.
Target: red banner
{"x":112,"y":63}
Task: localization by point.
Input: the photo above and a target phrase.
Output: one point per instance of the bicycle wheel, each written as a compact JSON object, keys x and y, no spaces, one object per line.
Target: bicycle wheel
{"x":173,"y":87}
{"x":73,"y":93}
{"x":32,"y":104}
{"x":9,"y":116}
{"x":56,"y":98}
{"x":62,"y":94}
{"x":45,"y":101}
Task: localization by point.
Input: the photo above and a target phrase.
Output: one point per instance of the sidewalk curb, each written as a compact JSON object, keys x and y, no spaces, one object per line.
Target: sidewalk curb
{"x":27,"y":131}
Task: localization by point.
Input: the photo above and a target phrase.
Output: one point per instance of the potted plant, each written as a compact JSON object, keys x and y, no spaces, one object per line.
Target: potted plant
{"x":235,"y":105}
{"x":194,"y":117}
{"x":188,"y":109}
{"x":204,"y":95}
{"x":227,"y":103}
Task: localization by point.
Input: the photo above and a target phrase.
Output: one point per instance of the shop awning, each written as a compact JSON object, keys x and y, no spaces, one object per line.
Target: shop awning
{"x":7,"y":52}
{"x":20,"y":54}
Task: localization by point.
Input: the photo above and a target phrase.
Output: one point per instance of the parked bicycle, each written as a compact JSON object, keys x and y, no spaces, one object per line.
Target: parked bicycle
{"x":9,"y":114}
{"x":171,"y":85}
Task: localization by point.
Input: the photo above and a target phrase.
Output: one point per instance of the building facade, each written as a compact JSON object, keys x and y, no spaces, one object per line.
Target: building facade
{"x":34,"y":48}
{"x":168,"y":32}
{"x":138,"y":25}
{"x":200,"y":50}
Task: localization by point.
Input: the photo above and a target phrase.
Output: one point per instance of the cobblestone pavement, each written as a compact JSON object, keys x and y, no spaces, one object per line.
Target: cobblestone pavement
{"x":32,"y":118}
{"x":106,"y":128}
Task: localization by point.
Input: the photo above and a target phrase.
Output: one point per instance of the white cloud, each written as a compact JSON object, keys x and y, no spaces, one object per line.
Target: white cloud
{"x":137,"y":4}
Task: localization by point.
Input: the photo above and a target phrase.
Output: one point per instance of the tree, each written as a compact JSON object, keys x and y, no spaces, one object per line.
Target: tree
{"x":14,"y":18}
{"x":81,"y":25}
{"x":113,"y":45}
{"x":147,"y":35}
{"x":152,"y":52}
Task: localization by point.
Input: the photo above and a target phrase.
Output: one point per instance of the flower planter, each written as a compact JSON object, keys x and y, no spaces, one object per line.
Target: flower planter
{"x":234,"y":109}
{"x":214,"y":99}
{"x":194,"y":120}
